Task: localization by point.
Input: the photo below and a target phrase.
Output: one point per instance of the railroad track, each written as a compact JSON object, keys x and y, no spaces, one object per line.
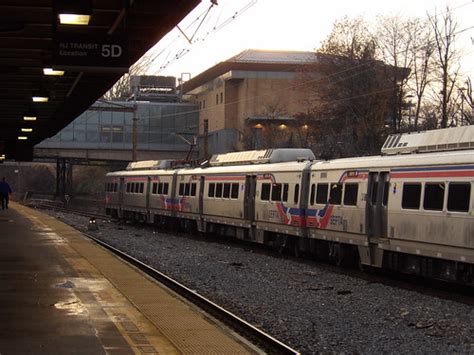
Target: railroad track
{"x":245,"y":329}
{"x":432,"y":287}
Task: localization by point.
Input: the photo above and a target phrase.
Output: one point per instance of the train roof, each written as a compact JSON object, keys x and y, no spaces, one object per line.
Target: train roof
{"x":389,"y":161}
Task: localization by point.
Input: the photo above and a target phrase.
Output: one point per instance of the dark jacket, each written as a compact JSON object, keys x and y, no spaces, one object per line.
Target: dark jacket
{"x":5,"y":188}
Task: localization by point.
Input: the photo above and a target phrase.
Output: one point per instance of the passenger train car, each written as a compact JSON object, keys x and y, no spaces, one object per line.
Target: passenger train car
{"x":410,"y":209}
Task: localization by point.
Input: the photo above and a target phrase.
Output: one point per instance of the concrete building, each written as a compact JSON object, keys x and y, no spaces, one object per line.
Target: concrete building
{"x":235,"y":95}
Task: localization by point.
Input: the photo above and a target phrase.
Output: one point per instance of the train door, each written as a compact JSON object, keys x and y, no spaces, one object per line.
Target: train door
{"x":174,"y":197}
{"x":201,"y":195}
{"x":121,"y":191}
{"x":376,"y":204}
{"x":147,"y":192}
{"x":249,"y":197}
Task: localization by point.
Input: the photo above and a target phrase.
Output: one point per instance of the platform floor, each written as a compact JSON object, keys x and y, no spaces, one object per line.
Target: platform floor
{"x":60,"y":293}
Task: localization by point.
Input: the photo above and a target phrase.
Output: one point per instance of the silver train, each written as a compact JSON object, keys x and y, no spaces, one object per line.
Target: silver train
{"x":410,"y":209}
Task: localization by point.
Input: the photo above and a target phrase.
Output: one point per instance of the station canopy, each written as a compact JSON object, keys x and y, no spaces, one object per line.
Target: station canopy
{"x":87,"y":44}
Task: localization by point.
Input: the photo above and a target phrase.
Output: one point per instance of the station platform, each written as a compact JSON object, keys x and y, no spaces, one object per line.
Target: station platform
{"x":60,"y":293}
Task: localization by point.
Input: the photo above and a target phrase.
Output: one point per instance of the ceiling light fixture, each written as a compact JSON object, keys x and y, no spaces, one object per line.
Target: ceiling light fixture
{"x":27,"y":130}
{"x":40,"y":96}
{"x":30,"y":114}
{"x":51,"y":71}
{"x":22,"y":138}
{"x":76,"y":12}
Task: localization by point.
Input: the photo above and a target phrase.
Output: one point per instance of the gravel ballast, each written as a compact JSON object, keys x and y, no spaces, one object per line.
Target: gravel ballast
{"x":305,"y":305}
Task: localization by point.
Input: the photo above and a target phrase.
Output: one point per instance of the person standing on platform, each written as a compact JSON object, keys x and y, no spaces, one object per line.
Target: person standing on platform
{"x":5,"y":191}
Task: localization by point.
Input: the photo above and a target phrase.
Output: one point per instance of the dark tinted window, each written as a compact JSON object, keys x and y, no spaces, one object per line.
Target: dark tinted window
{"x":322,"y":194}
{"x":165,"y":188}
{"x":212,"y":188}
{"x":386,"y":187}
{"x":350,"y":194}
{"x":276,"y":192}
{"x":434,"y":196}
{"x":128,"y":187}
{"x":154,"y":188}
{"x":458,"y":197}
{"x":193,"y":189}
{"x":336,"y":194}
{"x":226,"y":193}
{"x":218,"y":190}
{"x":187,"y":189}
{"x":142,"y":187}
{"x":373,"y":193}
{"x":265,"y":195}
{"x":313,"y":192}
{"x":160,"y":188}
{"x":137,"y":187}
{"x":411,"y":196}
{"x":181,"y":189}
{"x":296,"y":194}
{"x":235,"y":190}
{"x":285,"y":192}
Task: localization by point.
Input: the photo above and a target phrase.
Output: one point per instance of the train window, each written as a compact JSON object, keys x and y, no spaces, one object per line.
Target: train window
{"x":296,"y":193}
{"x":115,"y":187}
{"x":265,"y":195}
{"x":142,"y":187}
{"x":350,"y":194}
{"x":159,"y":190}
{"x":212,"y":188}
{"x":226,"y":193}
{"x":336,"y":194}
{"x":434,"y":196}
{"x":276,"y":192}
{"x":128,"y":187}
{"x":154,"y":188}
{"x":181,"y":189}
{"x":219,"y":190}
{"x":386,"y":188}
{"x":235,"y":190}
{"x":193,"y":189}
{"x":313,"y":192}
{"x":458,"y":197}
{"x":285,"y":192}
{"x":373,"y":193}
{"x":165,"y":188}
{"x":106,"y":187}
{"x":411,"y":196}
{"x":187,"y":189}
{"x":322,"y":194}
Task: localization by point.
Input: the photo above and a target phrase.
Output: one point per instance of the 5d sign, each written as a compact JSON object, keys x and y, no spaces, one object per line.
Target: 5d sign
{"x":90,"y":53}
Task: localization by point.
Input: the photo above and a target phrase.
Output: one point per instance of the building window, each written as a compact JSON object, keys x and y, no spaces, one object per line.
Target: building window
{"x":222,"y":97}
{"x":217,"y":99}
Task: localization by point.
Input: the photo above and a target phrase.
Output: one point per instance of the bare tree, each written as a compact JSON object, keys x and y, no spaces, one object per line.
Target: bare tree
{"x":467,"y":103}
{"x":394,"y":44}
{"x":351,"y":94}
{"x":447,"y":58}
{"x":422,"y":49}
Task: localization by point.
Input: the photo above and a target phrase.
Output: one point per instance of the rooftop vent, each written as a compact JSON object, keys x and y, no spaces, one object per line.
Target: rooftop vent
{"x":149,"y":165}
{"x":261,"y":157}
{"x":445,"y":139}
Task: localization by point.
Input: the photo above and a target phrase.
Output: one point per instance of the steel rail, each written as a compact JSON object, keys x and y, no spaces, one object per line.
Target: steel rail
{"x":244,"y":328}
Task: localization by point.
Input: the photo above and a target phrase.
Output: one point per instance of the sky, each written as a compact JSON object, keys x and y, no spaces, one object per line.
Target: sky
{"x":236,"y":25}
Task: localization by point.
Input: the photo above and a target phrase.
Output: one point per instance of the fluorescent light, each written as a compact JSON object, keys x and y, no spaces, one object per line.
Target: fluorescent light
{"x":74,"y":19}
{"x":40,"y":98}
{"x":29,"y":118}
{"x":22,"y":138}
{"x":51,"y":71}
{"x":27,"y":130}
